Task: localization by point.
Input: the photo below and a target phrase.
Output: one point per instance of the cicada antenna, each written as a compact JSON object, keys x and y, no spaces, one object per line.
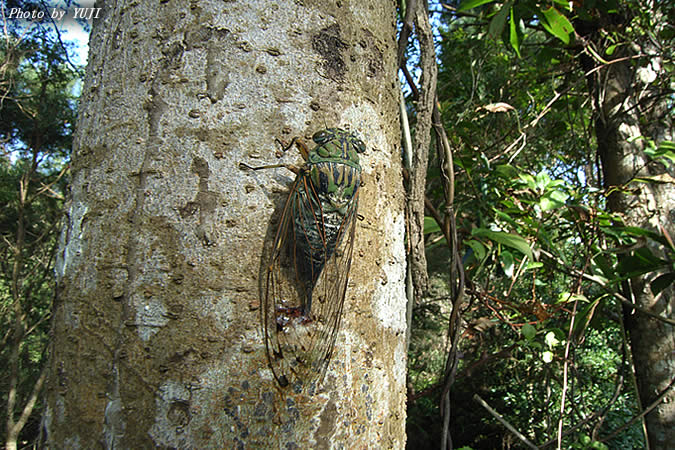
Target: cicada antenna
{"x":243,"y":166}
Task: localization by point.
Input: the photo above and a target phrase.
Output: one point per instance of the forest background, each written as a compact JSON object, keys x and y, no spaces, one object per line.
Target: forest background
{"x":526,"y":319}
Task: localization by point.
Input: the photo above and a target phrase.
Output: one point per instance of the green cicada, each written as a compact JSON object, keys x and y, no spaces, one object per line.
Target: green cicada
{"x":308,"y":267}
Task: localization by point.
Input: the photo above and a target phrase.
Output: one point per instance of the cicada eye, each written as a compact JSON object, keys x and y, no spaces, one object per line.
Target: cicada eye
{"x":323,"y":136}
{"x":359,"y":146}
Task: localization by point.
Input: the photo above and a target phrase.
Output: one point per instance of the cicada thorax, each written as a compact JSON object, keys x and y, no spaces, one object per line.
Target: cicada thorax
{"x":331,"y":188}
{"x":307,"y":277}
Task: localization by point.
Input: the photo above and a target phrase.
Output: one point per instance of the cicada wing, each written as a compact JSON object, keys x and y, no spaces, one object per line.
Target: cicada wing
{"x":330,"y":291}
{"x":287,"y":329}
{"x":281,"y":293}
{"x":300,"y":339}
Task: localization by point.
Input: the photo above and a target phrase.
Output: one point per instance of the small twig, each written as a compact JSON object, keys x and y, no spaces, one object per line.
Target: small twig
{"x":598,"y":413}
{"x":609,"y":290}
{"x":503,"y":421}
{"x":646,"y":411}
{"x":58,"y":37}
{"x":405,"y":31}
{"x":531,"y":124}
{"x":565,"y":375}
{"x":568,"y":344}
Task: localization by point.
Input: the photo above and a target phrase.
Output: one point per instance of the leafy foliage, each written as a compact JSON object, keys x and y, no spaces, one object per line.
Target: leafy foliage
{"x":38,"y":107}
{"x":545,"y":261}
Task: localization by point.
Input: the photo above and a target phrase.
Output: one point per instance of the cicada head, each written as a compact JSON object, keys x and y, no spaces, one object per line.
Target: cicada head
{"x":337,"y":145}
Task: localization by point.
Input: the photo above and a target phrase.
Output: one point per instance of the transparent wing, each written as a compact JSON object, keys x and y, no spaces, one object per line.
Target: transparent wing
{"x":300,"y":338}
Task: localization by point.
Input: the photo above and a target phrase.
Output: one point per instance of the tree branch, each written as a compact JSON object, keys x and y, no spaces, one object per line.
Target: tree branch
{"x":646,"y":411}
{"x":503,"y":421}
{"x":609,"y":290}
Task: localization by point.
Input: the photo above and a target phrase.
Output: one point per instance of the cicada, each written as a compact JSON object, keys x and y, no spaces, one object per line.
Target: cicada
{"x":308,"y":266}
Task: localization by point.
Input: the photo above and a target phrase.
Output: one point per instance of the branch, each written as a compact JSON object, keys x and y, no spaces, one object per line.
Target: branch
{"x":531,"y":124}
{"x":566,"y":373}
{"x":503,"y":421}
{"x":17,"y":426}
{"x":646,"y":411}
{"x":592,"y":416}
{"x":405,"y":31}
{"x":58,"y":37}
{"x":608,"y":289}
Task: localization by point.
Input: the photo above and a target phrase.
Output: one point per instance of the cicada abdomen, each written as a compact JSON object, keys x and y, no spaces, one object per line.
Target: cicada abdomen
{"x":304,"y":293}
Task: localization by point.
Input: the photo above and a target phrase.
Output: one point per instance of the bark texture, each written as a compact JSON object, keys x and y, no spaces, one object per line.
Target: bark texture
{"x":156,"y":328}
{"x":420,"y":156}
{"x":629,"y":109}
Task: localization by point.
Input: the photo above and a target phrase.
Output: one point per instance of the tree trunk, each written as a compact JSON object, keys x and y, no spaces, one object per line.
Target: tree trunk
{"x":157,"y":339}
{"x":627,"y":112}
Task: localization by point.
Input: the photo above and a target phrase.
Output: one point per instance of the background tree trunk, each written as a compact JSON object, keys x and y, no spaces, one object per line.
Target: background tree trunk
{"x":156,"y":337}
{"x":630,"y":110}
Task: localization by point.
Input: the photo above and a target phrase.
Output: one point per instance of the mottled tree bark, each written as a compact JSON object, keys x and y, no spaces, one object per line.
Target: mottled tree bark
{"x":156,"y":336}
{"x":420,"y":155}
{"x":630,"y":108}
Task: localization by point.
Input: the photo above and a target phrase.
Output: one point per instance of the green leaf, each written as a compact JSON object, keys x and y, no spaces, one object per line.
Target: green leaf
{"x":547,"y":356}
{"x":663,"y":178}
{"x":557,"y":24}
{"x":551,"y":339}
{"x":662,"y":282}
{"x":584,"y":317}
{"x":506,"y":170}
{"x":566,"y":4}
{"x":665,"y":152}
{"x":470,"y":4}
{"x":507,"y":263}
{"x":534,"y":265}
{"x":567,"y":297}
{"x":542,"y":180}
{"x":603,"y":264}
{"x":555,"y":183}
{"x":610,"y":50}
{"x":430,"y":225}
{"x":637,"y":231}
{"x":478,"y":248}
{"x":504,"y":216}
{"x":498,"y":21}
{"x":514,"y":39}
{"x":509,"y":239}
{"x":529,"y":180}
{"x":484,"y":159}
{"x":552,"y":200}
{"x":528,"y":331}
{"x":640,"y":262}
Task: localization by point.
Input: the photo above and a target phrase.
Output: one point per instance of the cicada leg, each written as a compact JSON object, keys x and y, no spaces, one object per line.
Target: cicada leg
{"x":302,"y":148}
